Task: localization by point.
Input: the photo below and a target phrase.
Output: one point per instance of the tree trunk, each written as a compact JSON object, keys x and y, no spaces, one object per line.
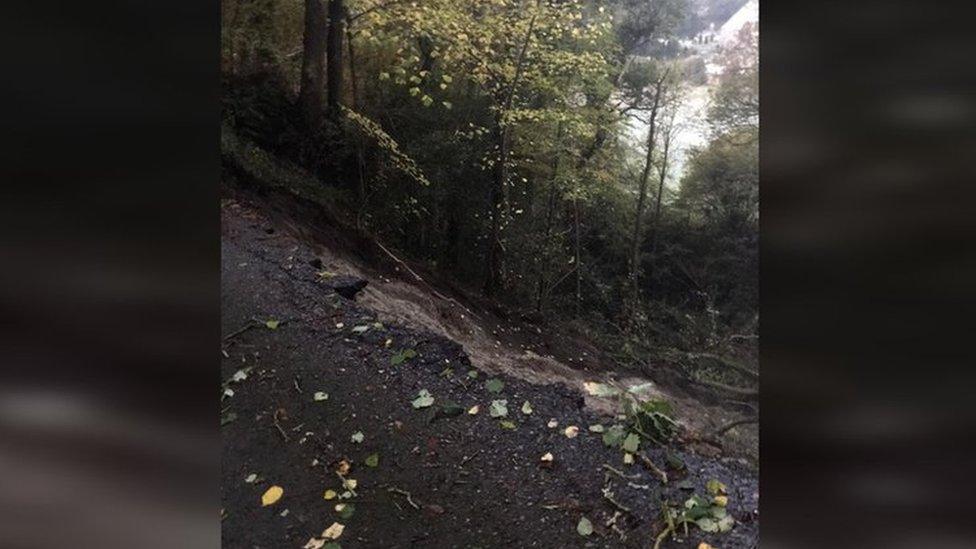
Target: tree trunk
{"x":333,"y":56}
{"x":361,"y":190}
{"x":663,"y":170}
{"x":642,"y":194}
{"x":550,"y":207}
{"x":576,"y":246}
{"x":496,"y":201}
{"x":313,"y":62}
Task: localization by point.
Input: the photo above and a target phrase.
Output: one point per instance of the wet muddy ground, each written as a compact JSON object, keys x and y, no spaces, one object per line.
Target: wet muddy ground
{"x":471,"y":481}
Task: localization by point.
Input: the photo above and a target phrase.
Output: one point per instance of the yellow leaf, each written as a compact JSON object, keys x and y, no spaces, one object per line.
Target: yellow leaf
{"x":339,"y":507}
{"x":704,"y":545}
{"x":330,"y":494}
{"x":349,"y":483}
{"x":571,"y":431}
{"x":473,"y":410}
{"x":272,"y":495}
{"x":334,"y":531}
{"x":628,"y":458}
{"x":721,"y":501}
{"x":314,"y":543}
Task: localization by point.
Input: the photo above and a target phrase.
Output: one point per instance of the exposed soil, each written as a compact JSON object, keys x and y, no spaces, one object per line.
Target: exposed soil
{"x":474,"y":483}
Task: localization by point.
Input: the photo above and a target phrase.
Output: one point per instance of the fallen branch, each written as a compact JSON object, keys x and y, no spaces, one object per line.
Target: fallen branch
{"x":405,"y":493}
{"x":750,"y":394}
{"x":469,"y":458}
{"x":653,"y":468}
{"x":418,"y":278}
{"x":274,"y":419}
{"x":726,"y":362}
{"x":731,"y":425}
{"x":619,"y":473}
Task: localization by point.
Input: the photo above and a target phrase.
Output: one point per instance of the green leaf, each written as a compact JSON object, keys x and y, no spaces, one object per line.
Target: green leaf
{"x":320,"y":396}
{"x":499,"y":408}
{"x":715,"y":487}
{"x":451,"y":409}
{"x":631,"y":443}
{"x":494,"y":385}
{"x":614,"y":436}
{"x":423,"y":400}
{"x":372,"y":460}
{"x":402,"y":356}
{"x":725,"y":523}
{"x":227,"y":418}
{"x":473,"y":374}
{"x":707,"y":524}
{"x":597,"y":428}
{"x":358,"y":437}
{"x":584,"y":527}
{"x":360,"y":329}
{"x":447,"y":372}
{"x":526,"y":408}
{"x":347,"y":511}
{"x":506,"y":424}
{"x":332,"y":545}
{"x":272,"y":324}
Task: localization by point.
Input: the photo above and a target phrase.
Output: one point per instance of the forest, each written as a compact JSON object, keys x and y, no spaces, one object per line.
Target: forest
{"x":523,"y":149}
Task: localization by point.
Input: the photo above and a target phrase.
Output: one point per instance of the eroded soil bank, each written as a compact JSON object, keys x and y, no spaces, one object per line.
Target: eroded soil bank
{"x":441,"y":480}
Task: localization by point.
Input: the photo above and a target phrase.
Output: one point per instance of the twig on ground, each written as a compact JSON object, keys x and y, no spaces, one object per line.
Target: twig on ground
{"x":653,"y":468}
{"x":274,"y":419}
{"x":469,"y":458}
{"x":619,"y":473}
{"x":243,"y":329}
{"x":731,"y":425}
{"x":405,"y":493}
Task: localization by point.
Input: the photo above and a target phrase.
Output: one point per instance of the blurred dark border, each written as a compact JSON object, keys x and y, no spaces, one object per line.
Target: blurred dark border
{"x":110,"y":289}
{"x":867,"y":271}
{"x":109,"y":286}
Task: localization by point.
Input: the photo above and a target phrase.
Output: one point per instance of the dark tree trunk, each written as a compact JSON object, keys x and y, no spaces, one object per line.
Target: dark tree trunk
{"x":642,"y":196}
{"x":660,"y":193}
{"x":496,"y":202}
{"x":313,"y":62}
{"x":333,"y":56}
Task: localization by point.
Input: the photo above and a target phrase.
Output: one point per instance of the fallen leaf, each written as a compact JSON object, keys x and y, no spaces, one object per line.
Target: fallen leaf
{"x":349,"y":483}
{"x":507,"y":425}
{"x":283,"y":513}
{"x":272,"y":324}
{"x":552,"y":424}
{"x":472,"y":373}
{"x":357,"y":437}
{"x":314,"y":543}
{"x":372,"y":460}
{"x":526,"y":408}
{"x":251,"y":478}
{"x":584,"y":527}
{"x":360,"y":329}
{"x":725,"y":523}
{"x":628,"y":458}
{"x":704,"y":545}
{"x":715,"y":487}
{"x":498,"y":408}
{"x":272,"y":495}
{"x":340,"y":325}
{"x":631,"y":443}
{"x":599,"y":389}
{"x":473,"y":410}
{"x":330,"y":494}
{"x":320,"y":396}
{"x":721,"y":501}
{"x":239,"y":376}
{"x":332,"y":545}
{"x":345,"y":510}
{"x":547,"y":457}
{"x":494,"y":385}
{"x":571,"y":431}
{"x":597,"y":428}
{"x":228,"y":392}
{"x":423,"y":400}
{"x":343,"y":467}
{"x":707,"y":524}
{"x":334,"y":531}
